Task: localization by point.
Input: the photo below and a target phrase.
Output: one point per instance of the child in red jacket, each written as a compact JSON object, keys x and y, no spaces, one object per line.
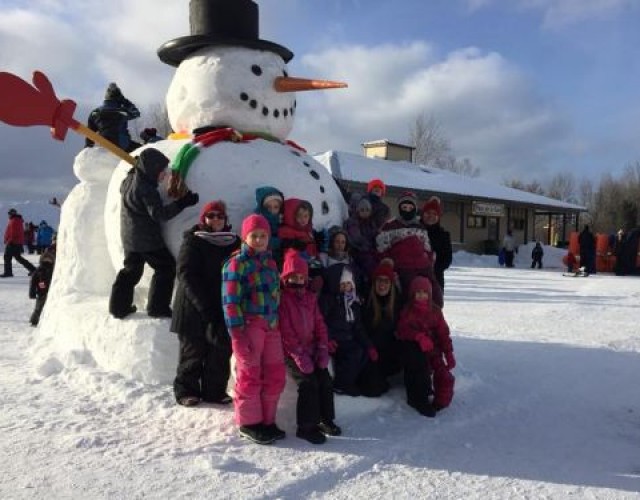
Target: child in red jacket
{"x":305,"y":341}
{"x":428,"y":351}
{"x":296,"y":230}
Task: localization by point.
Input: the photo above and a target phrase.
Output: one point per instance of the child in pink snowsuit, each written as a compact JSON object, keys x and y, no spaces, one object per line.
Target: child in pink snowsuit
{"x":250,"y":290}
{"x":427,"y":350}
{"x":305,"y":340}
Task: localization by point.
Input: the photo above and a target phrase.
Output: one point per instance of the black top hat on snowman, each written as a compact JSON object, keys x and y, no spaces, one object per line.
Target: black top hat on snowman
{"x":220,"y":22}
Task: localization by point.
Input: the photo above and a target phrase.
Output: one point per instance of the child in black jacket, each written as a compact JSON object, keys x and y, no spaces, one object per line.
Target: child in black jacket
{"x":40,"y":283}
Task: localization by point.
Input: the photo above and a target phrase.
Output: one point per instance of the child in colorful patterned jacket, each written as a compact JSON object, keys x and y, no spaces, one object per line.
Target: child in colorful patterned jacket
{"x":250,"y":296}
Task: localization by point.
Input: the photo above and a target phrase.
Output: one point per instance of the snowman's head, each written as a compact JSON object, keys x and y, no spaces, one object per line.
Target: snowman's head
{"x":233,"y":87}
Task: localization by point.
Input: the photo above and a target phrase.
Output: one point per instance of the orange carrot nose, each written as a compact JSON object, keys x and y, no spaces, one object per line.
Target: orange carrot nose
{"x":289,"y":84}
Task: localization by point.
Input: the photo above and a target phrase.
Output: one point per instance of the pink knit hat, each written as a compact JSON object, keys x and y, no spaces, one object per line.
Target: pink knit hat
{"x":253,"y":222}
{"x":294,"y":264}
{"x":420,"y":283}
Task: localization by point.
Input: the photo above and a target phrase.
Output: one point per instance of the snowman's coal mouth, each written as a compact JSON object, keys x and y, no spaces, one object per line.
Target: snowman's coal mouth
{"x":275,"y":113}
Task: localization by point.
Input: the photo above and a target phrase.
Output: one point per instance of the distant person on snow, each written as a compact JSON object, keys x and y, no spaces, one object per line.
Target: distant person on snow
{"x":14,"y":245}
{"x":40,"y":283}
{"x":205,"y":348}
{"x":141,"y":214}
{"x":536,"y":256}
{"x":111,"y":120}
{"x":510,"y":248}
{"x":44,"y":237}
{"x":587,"y":243}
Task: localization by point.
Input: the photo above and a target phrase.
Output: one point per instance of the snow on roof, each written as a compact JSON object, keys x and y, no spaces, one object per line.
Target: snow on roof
{"x":403,"y":174}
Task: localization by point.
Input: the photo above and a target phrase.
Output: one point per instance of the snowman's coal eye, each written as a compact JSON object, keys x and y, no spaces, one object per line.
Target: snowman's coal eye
{"x":257,"y":70}
{"x":286,"y":75}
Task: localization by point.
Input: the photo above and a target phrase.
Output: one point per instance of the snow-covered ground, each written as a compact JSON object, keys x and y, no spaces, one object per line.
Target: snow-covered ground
{"x":547,"y":405}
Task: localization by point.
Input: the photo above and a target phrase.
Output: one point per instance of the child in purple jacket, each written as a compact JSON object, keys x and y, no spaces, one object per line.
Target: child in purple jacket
{"x":250,"y":296}
{"x":305,"y":340}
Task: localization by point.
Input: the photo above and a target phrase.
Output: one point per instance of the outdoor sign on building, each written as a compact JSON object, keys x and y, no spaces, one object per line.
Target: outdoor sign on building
{"x":487,"y":209}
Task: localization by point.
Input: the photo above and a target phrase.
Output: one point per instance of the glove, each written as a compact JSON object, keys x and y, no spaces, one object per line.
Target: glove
{"x":450,"y":360}
{"x":322,"y":357}
{"x":373,"y":354}
{"x":333,"y":346}
{"x":304,"y":363}
{"x":188,"y":200}
{"x":425,"y":343}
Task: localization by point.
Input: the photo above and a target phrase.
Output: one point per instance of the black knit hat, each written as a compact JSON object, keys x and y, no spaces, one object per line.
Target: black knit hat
{"x":220,"y":22}
{"x":13,"y":211}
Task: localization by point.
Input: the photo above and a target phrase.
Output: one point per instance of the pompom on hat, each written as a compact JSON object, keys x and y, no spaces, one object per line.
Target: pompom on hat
{"x":253,"y":222}
{"x":376,"y":183}
{"x":434,"y":204}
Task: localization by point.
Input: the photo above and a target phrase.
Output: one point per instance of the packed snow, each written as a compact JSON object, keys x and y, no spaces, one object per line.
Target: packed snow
{"x":546,"y":406}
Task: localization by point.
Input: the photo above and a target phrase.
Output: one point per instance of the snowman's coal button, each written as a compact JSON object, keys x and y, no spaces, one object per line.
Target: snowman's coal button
{"x":257,"y":70}
{"x":265,"y":110}
{"x":286,"y":112}
{"x":244,"y":96}
{"x":306,"y":164}
{"x":253,"y":103}
{"x":276,"y":113}
{"x":325,"y":207}
{"x":291,"y":111}
{"x":322,"y":189}
{"x":314,"y":174}
{"x":294,"y":152}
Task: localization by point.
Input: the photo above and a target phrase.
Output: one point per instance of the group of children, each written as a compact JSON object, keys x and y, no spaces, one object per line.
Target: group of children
{"x":289,"y":307}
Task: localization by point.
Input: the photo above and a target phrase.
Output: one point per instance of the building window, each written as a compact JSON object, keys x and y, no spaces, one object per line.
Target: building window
{"x":476,"y":221}
{"x":517,"y":224}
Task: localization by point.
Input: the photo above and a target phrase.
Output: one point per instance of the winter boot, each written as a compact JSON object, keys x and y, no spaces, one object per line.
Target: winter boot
{"x":275,"y":431}
{"x":329,"y":428}
{"x":256,"y":433}
{"x":311,"y":434}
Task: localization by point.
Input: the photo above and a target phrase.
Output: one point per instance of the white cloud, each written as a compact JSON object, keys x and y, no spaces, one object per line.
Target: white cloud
{"x":485,"y":105}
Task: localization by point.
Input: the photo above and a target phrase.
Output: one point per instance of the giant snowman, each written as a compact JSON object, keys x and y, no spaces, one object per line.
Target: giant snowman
{"x":231,"y":105}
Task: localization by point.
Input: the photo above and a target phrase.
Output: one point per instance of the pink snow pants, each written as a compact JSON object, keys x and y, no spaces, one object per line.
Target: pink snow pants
{"x":260,"y":376}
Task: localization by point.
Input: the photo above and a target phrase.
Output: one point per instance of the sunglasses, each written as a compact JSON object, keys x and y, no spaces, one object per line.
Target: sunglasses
{"x":214,"y":215}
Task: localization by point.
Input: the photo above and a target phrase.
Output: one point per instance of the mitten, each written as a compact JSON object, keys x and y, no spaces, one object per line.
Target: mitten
{"x":322,"y":357}
{"x":304,"y":363}
{"x":450,"y":359}
{"x":333,"y":346}
{"x":425,"y":343}
{"x":373,"y":354}
{"x":188,"y":200}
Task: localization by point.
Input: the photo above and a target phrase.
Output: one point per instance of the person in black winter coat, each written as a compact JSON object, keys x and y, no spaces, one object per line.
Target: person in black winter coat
{"x":587,"y":244}
{"x":40,"y":283}
{"x":141,"y":214}
{"x":111,"y":120}
{"x":536,"y":256}
{"x":439,"y":238}
{"x":198,"y":319}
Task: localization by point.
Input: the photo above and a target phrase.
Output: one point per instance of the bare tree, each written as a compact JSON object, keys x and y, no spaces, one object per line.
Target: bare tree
{"x":562,"y":186}
{"x":429,"y":141}
{"x":532,"y":187}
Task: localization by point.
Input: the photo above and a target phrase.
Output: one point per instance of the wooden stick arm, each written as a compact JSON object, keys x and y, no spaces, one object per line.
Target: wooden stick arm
{"x":105,"y":143}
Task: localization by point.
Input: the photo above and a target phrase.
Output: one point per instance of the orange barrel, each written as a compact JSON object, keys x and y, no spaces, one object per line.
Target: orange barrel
{"x":602,"y":253}
{"x":574,"y":246}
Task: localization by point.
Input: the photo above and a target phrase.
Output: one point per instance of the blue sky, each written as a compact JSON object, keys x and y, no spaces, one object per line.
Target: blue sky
{"x":523,"y":88}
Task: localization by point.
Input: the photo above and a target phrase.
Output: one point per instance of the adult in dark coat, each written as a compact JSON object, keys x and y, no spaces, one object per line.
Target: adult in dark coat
{"x":198,"y":319}
{"x":141,"y":214}
{"x":587,"y":250}
{"x":111,"y":120}
{"x":14,"y":245}
{"x":439,"y":238}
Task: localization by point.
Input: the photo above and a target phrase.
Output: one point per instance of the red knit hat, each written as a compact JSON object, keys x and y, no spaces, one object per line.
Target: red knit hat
{"x":384,"y":268}
{"x":420,"y":283}
{"x":213,"y":206}
{"x":253,"y":222}
{"x":294,"y":264}
{"x":376,"y":183}
{"x":434,"y":204}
